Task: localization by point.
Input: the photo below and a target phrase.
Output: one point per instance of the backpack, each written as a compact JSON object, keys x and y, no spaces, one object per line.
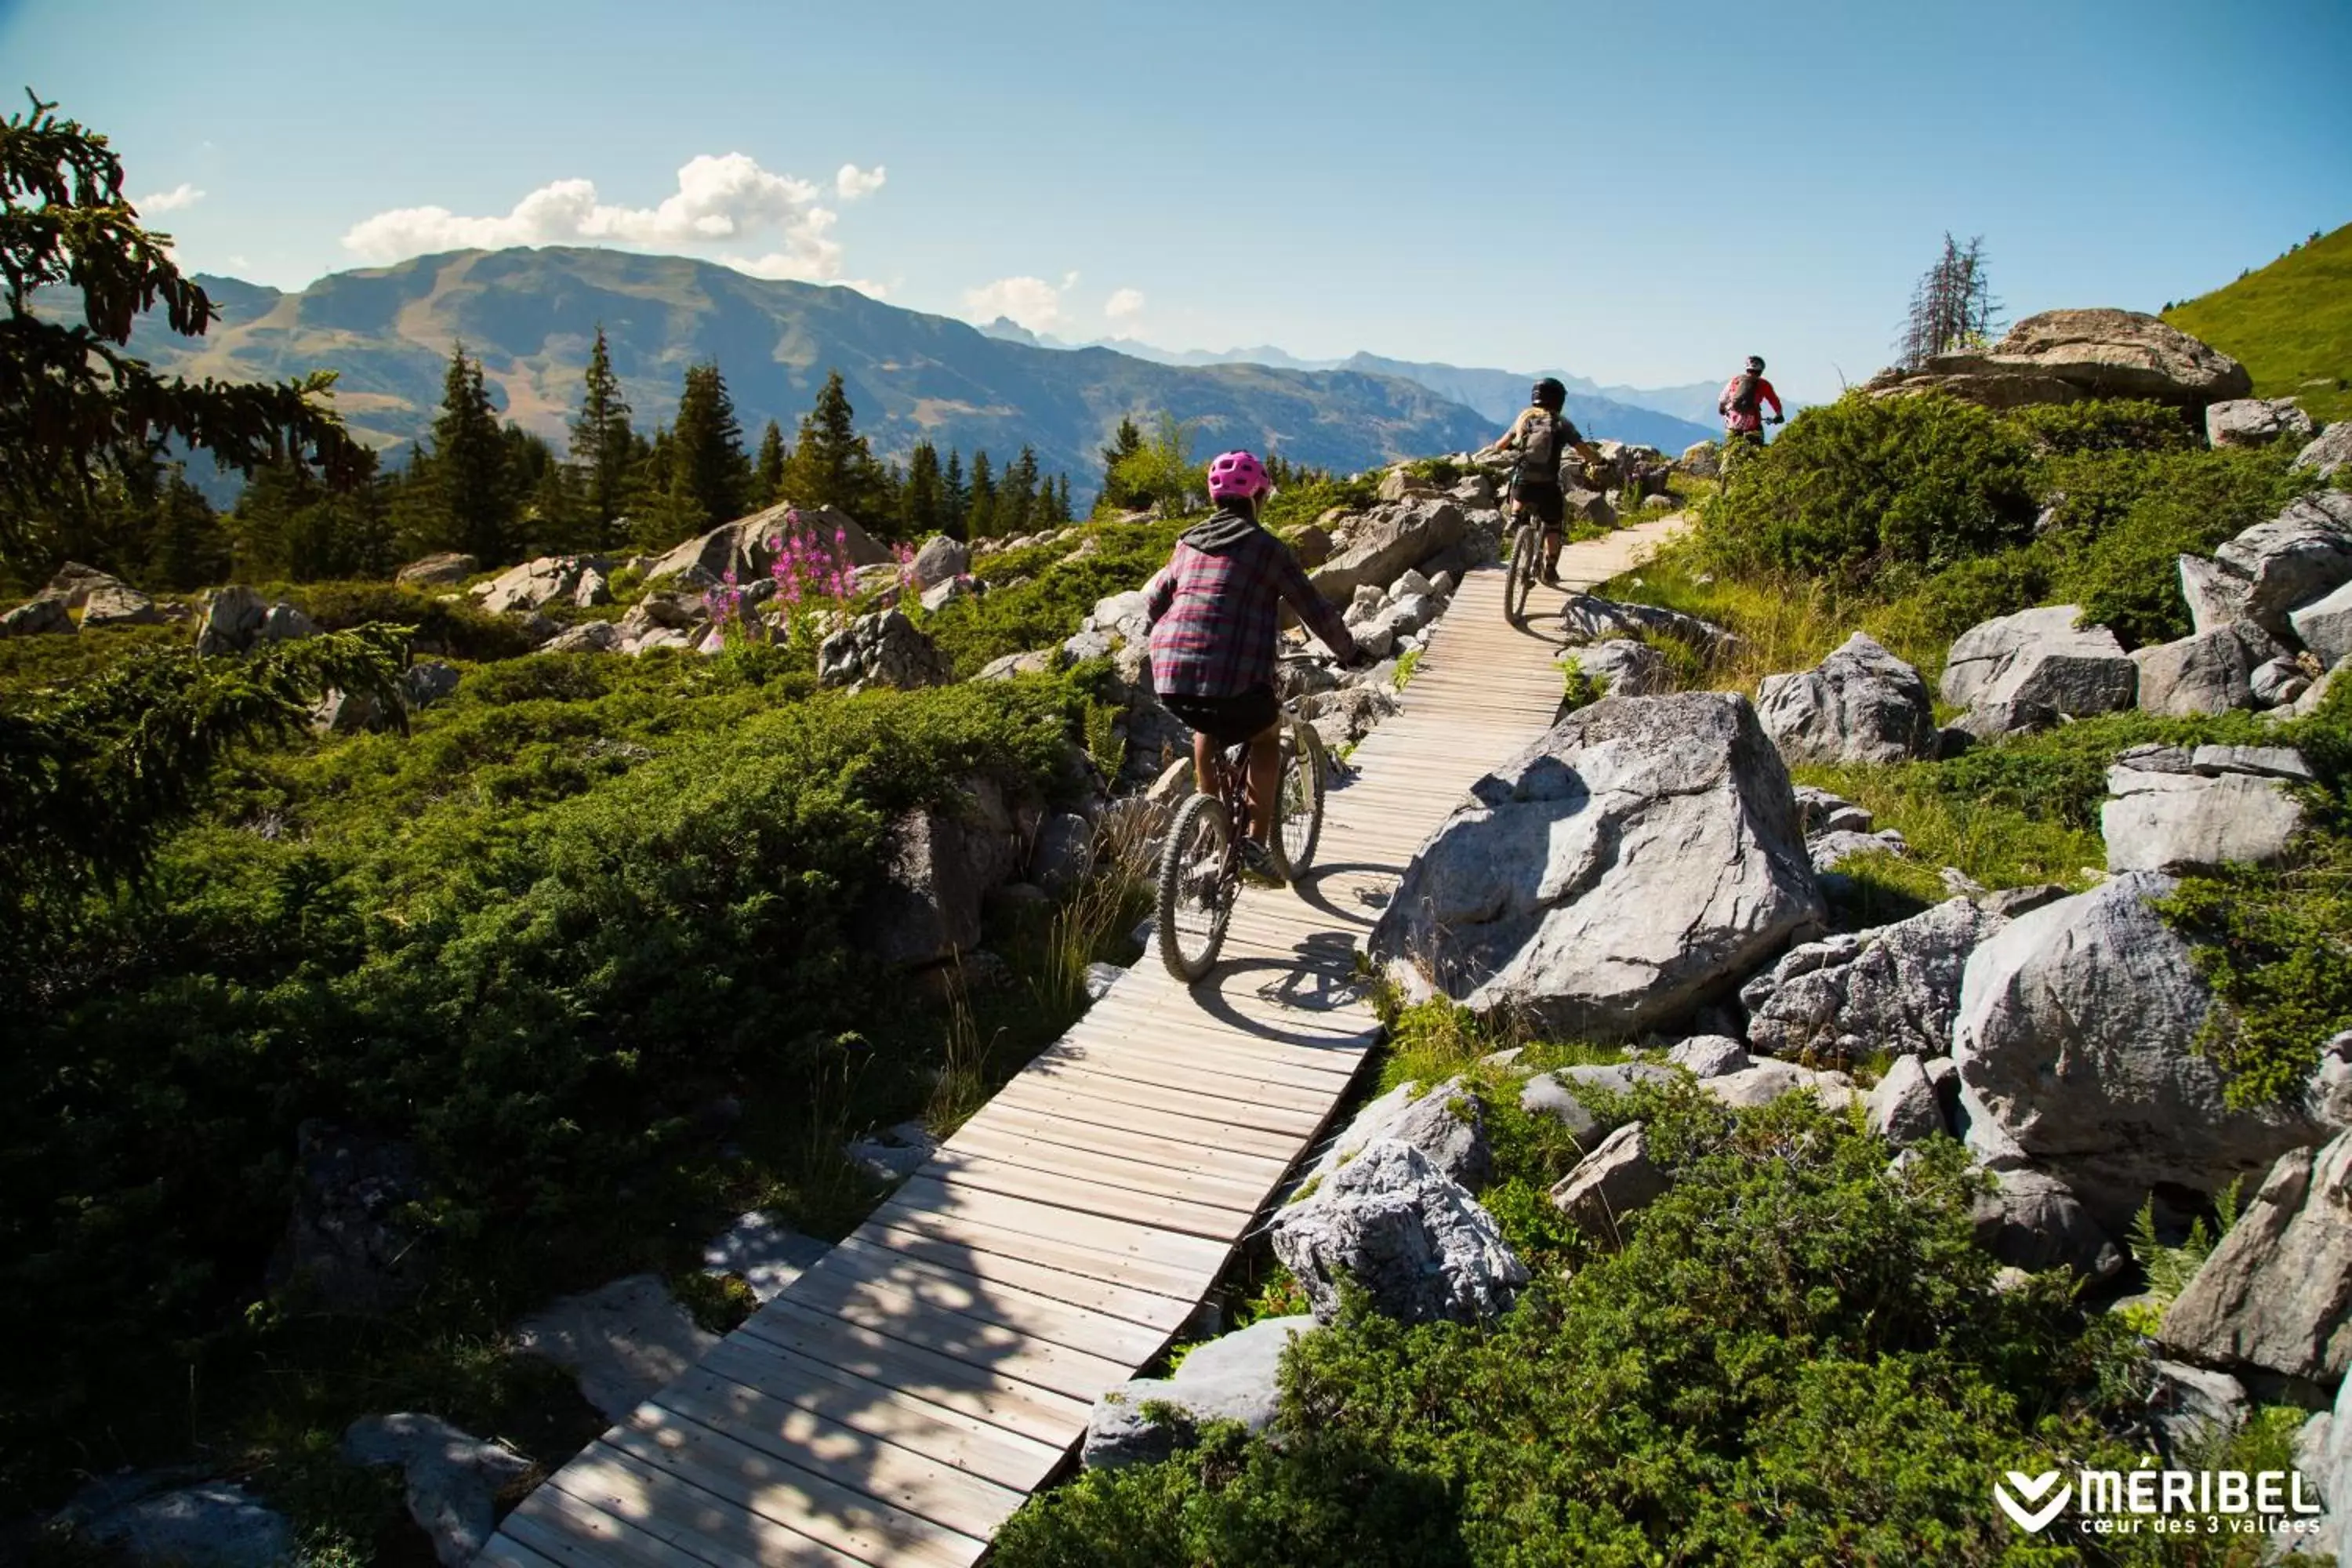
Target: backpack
{"x":1540,"y":450}
{"x":1743,"y":398}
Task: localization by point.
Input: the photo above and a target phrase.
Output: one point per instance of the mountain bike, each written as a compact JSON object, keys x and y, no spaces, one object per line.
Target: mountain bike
{"x":1201,"y":868}
{"x":1526,"y":560}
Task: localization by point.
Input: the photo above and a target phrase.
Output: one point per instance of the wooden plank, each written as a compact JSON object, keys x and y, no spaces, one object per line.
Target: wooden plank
{"x":1021,"y":1407}
{"x":1044,"y":1316}
{"x":691,"y":1455}
{"x":683,"y":1518}
{"x":554,"y":1525}
{"x":891,"y":1415}
{"x":1210,"y":1222}
{"x":1091,"y":1159}
{"x":1168,"y":1069}
{"x":1135,"y":1287}
{"x":1171,"y":1256}
{"x":1076,"y":1104}
{"x":507,"y":1549}
{"x":1290,"y":1127}
{"x":801,"y":1441}
{"x":1129,"y":1142}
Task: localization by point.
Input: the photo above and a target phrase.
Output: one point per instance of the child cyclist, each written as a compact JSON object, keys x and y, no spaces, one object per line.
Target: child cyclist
{"x":1215,"y":615}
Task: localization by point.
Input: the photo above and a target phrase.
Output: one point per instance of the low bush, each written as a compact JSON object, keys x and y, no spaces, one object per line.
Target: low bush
{"x":455,"y":628}
{"x":2108,"y":425}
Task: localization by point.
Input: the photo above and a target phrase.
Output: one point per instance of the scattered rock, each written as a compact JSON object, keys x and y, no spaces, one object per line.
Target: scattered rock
{"x":1615,"y":874}
{"x":1398,"y":484}
{"x":896,"y":1152}
{"x":743,"y":546}
{"x":1564,"y":1095}
{"x":2276,"y":682}
{"x":2077,"y":1040}
{"x":1819,"y":811}
{"x":2276,"y":1294}
{"x":73,"y":584}
{"x":1036,"y":661}
{"x":2220,"y":597}
{"x":1896,"y":988}
{"x":1904,"y":1107}
{"x":2041,"y":658}
{"x":2300,"y":555}
{"x":443,"y":570}
{"x":341,"y":712}
{"x":453,"y":1478}
{"x":942,"y":865}
{"x":2330,"y":452}
{"x":1062,"y":853}
{"x":884,"y":649}
{"x":1100,"y":978}
{"x":112,"y":604}
{"x":428,"y":681}
{"x":1622,"y":668}
{"x":2011,"y":902}
{"x":1762,"y":1083}
{"x":1993,"y":720}
{"x":1710,"y":1055}
{"x":353,"y":1242}
{"x":2033,"y":1221}
{"x":1828,"y":851}
{"x":2156,"y":819}
{"x":213,"y":1524}
{"x":940,"y":560}
{"x":2189,"y":1406}
{"x":1588,"y":618}
{"x":1412,"y":1236}
{"x":1861,"y":704}
{"x":592,"y":637}
{"x":2256,"y":422}
{"x":1385,"y":541}
{"x":624,"y":1340}
{"x":2207,"y":673}
{"x":1446,"y":1123}
{"x":2324,"y":625}
{"x":236,"y":619}
{"x":763,"y":1253}
{"x":2063,"y":356}
{"x":1233,"y":1378}
{"x":43,"y":616}
{"x":1616,"y":1180}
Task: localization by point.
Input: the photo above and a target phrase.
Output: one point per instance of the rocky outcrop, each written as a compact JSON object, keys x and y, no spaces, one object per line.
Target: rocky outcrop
{"x":1411,"y":1236}
{"x":443,"y":570}
{"x":1446,"y":1123}
{"x":2324,"y":625}
{"x":236,"y":619}
{"x":1896,"y":988}
{"x":2169,"y":809}
{"x":2276,"y":1294}
{"x":1621,"y":668}
{"x":2041,"y":658}
{"x":1861,"y":704}
{"x":624,"y":1340}
{"x":1380,"y":545}
{"x":748,"y":546}
{"x":2030,"y":1220}
{"x":2330,"y":452}
{"x":884,"y":649}
{"x":2064,"y":356}
{"x":2077,"y":1036}
{"x":1617,"y":1179}
{"x":1236,"y":1377}
{"x":42,"y":616}
{"x":2206,"y":673}
{"x":1623,"y":870}
{"x":942,"y":865}
{"x":2257,"y":422}
{"x":2299,"y":556}
{"x":940,"y":560}
{"x":452,"y":1478}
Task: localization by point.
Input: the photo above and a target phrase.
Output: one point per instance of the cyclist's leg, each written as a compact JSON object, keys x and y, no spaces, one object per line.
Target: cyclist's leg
{"x":1264,"y":780}
{"x":1552,"y":535}
{"x":1205,"y":755}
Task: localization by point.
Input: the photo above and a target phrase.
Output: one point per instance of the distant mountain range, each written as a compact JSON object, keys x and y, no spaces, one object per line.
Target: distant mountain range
{"x":530,"y":315}
{"x":1670,"y":417}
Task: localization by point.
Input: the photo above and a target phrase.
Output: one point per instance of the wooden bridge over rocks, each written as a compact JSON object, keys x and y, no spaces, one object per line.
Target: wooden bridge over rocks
{"x":901,"y":1399}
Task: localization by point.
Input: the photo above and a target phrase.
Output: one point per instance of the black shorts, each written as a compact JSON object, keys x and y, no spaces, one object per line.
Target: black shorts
{"x":1548,"y":502}
{"x":1227,"y":721}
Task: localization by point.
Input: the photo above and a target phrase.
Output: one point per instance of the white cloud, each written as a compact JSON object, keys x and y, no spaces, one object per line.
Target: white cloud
{"x":1123,"y":307}
{"x":1030,"y":301}
{"x":183,"y":194}
{"x":717,"y":199}
{"x":853,"y":182}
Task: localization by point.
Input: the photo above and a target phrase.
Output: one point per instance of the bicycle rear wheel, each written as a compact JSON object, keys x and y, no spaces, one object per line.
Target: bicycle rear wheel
{"x":1525,"y":554}
{"x":1197,"y":885}
{"x":1298,"y":804}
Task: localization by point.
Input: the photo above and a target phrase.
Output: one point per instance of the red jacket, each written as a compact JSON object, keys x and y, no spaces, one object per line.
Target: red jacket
{"x":1754,"y":419}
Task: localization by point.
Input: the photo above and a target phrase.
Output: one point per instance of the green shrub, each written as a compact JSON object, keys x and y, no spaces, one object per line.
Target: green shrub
{"x":1865,"y":484}
{"x":28,"y":664}
{"x":2108,"y":425}
{"x":1046,"y":608}
{"x":453,"y":627}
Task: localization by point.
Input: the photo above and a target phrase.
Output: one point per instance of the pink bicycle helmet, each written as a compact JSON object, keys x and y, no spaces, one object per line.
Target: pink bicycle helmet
{"x":1238,"y":475}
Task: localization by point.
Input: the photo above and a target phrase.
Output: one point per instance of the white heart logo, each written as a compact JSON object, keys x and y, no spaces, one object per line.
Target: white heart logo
{"x":2032,"y":1488}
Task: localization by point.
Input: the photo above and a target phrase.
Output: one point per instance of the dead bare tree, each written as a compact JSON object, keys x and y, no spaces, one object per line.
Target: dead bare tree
{"x":1952,"y":306}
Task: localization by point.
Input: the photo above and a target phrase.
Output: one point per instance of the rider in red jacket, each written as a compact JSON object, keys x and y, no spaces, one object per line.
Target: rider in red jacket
{"x":1742,"y":403}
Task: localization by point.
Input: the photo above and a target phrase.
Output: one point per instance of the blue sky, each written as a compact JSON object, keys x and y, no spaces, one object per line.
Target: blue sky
{"x":1637,"y":192}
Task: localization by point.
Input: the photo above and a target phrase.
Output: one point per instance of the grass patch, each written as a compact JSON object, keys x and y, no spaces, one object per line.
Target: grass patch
{"x":2289,"y":323}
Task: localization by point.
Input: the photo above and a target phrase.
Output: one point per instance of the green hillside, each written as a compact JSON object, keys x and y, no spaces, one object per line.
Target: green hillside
{"x":530,"y":315}
{"x":2290,"y":324}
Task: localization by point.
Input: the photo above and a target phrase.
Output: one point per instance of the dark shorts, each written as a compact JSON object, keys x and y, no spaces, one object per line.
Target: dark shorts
{"x":1227,"y":721}
{"x":1548,"y":502}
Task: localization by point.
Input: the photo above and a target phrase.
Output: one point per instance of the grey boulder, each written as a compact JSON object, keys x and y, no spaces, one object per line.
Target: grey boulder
{"x":2161,"y":820}
{"x":2276,"y":1294}
{"x":1622,"y":668}
{"x":2324,"y":625}
{"x":212,"y":1524}
{"x":2330,"y":451}
{"x":112,"y":604}
{"x":884,"y":649}
{"x":2041,"y":658}
{"x":443,"y":570}
{"x":1760,"y":1083}
{"x":1904,"y":1107}
{"x":2205,"y":673}
{"x":1896,"y":988}
{"x":1620,"y":871}
{"x":453,"y":1478}
{"x":1709,"y":1056}
{"x":2033,"y":1221}
{"x":942,"y":865}
{"x":2256,"y":422}
{"x":1616,"y":1180}
{"x":1861,"y":704}
{"x":2078,"y":1041}
{"x":2189,"y":1406}
{"x":764,"y":1253}
{"x":1571,"y":1095}
{"x":42,"y":616}
{"x":2300,"y":555}
{"x":1412,"y":1237}
{"x":940,"y":560}
{"x":624,"y":1340}
{"x":1446,"y":1123}
{"x":1381,"y":545}
{"x":1235,"y":1377}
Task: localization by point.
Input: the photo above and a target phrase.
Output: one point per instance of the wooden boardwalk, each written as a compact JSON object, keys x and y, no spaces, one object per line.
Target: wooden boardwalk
{"x":908,"y":1393}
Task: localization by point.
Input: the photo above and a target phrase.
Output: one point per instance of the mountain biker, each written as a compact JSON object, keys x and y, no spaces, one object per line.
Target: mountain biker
{"x":1214,"y":612}
{"x":1538,"y":435}
{"x":1742,"y":402}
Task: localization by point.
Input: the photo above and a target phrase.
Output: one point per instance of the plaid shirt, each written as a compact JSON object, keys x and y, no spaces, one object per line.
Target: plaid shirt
{"x":1216,"y":617}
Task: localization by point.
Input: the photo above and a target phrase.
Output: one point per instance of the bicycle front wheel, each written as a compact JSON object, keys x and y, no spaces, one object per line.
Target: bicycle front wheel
{"x":1524,"y":551}
{"x":1198,"y":881}
{"x":1298,"y":804}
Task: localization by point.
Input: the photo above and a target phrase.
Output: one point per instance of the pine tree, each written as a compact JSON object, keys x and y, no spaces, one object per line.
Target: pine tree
{"x":1017,"y":497}
{"x":922,"y":509}
{"x":768,"y":471}
{"x":1125,"y":444}
{"x":709,"y":479}
{"x":831,"y":464}
{"x":979,"y":512}
{"x":1062,"y":513}
{"x":1952,"y":308}
{"x":188,"y":549}
{"x":955,"y":500}
{"x":473,"y":484}
{"x":601,"y":445}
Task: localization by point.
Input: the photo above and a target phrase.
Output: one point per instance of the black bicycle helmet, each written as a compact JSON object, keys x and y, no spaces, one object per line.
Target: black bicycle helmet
{"x":1549,"y":394}
{"x":1754,"y":361}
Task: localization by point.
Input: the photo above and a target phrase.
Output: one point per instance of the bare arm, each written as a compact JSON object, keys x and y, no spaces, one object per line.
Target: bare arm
{"x":1322,"y":617}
